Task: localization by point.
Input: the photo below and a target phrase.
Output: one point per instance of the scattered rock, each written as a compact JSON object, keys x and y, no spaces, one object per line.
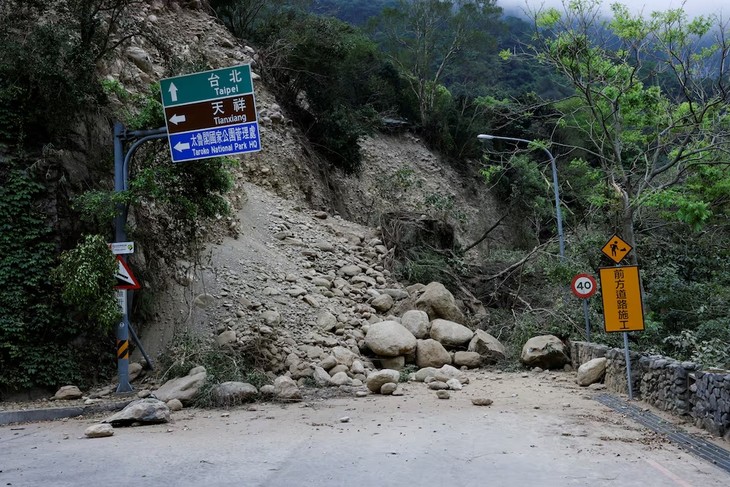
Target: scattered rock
{"x":376,"y":379}
{"x":591,"y":371}
{"x":487,"y":346}
{"x":233,"y":393}
{"x":471,"y":360}
{"x":417,"y":322}
{"x":482,"y":401}
{"x":321,"y":377}
{"x":134,"y":370}
{"x":183,"y":388}
{"x":438,"y":302}
{"x":437,"y":385}
{"x":450,"y":333}
{"x":388,"y":388}
{"x":99,"y":431}
{"x":203,"y":300}
{"x":454,"y":384}
{"x":443,"y":394}
{"x":174,"y":405}
{"x":395,"y":363}
{"x":345,"y":419}
{"x":285,"y":389}
{"x":341,"y":379}
{"x":382,"y":303}
{"x":430,"y":353}
{"x":142,"y":411}
{"x":68,"y":393}
{"x":228,"y":336}
{"x":546,"y":351}
{"x":390,"y":339}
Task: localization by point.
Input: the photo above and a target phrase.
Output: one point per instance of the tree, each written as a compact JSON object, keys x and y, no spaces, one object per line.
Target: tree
{"x":427,"y":39}
{"x":650,"y":103}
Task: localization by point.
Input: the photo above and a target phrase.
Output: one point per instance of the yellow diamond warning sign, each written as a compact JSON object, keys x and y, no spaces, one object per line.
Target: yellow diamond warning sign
{"x":616,"y":248}
{"x":621,"y":293}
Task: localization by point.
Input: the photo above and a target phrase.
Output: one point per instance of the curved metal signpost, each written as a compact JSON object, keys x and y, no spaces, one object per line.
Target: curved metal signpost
{"x":208,"y":114}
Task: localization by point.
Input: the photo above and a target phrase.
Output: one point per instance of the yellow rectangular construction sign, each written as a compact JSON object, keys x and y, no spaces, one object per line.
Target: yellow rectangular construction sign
{"x":621,"y":293}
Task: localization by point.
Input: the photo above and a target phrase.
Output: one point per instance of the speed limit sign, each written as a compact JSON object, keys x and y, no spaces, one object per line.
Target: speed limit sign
{"x":583,"y":286}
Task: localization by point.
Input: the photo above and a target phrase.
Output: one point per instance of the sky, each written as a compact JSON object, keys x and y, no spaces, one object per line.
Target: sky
{"x":692,"y":7}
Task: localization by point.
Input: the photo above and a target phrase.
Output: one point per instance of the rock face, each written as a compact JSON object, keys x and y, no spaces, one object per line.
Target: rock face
{"x":232,"y":393}
{"x":377,"y":379}
{"x":143,"y":411}
{"x":390,"y":339}
{"x":449,"y":333}
{"x":545,"y":351}
{"x":438,"y":302}
{"x":67,"y":393}
{"x":416,"y":321}
{"x":183,"y":388}
{"x":430,"y":353}
{"x":285,"y":389}
{"x":491,"y":350}
{"x":591,"y":371}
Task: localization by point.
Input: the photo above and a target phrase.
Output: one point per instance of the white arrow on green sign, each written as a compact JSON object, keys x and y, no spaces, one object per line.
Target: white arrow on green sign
{"x":206,"y":85}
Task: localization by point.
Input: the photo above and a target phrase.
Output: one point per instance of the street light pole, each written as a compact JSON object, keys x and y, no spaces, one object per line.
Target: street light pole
{"x":558,"y":212}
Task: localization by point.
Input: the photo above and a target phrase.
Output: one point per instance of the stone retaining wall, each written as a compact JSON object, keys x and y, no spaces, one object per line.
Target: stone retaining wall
{"x":670,"y":385}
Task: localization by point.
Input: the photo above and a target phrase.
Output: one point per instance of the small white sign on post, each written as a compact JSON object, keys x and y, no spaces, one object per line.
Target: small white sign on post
{"x":122,"y":248}
{"x":122,"y":300}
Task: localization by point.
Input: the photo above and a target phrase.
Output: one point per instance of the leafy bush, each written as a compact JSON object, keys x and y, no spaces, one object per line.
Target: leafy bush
{"x":86,"y":276}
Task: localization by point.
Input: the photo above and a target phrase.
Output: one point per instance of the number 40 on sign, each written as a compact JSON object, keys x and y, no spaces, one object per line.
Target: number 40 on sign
{"x":583,"y":286}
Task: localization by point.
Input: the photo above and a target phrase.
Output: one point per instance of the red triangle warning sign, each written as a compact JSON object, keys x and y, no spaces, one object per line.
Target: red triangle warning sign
{"x":125,"y":278}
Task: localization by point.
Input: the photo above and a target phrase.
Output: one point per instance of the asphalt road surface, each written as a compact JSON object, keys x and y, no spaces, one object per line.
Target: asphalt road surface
{"x":541,"y":430}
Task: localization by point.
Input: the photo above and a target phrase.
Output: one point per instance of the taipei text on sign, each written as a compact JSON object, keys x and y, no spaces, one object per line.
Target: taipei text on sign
{"x":621,"y":294}
{"x":211,"y":114}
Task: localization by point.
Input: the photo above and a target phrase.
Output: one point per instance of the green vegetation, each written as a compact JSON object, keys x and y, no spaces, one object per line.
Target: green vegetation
{"x":38,"y":337}
{"x":86,"y":276}
{"x":188,"y":351}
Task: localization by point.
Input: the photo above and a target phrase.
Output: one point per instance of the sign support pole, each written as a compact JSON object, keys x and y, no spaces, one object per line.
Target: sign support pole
{"x":587,"y":316}
{"x":120,"y":236}
{"x":121,"y":168}
{"x":628,"y":365}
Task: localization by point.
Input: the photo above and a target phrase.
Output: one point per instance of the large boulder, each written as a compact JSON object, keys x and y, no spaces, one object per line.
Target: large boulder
{"x":449,"y":333}
{"x":183,"y":388}
{"x":545,"y":351}
{"x":390,"y":339}
{"x":430,"y":353}
{"x":143,"y":411}
{"x":491,"y":350}
{"x":438,"y":302}
{"x":377,"y":379}
{"x":232,"y":393}
{"x":417,"y":322}
{"x":591,"y":371}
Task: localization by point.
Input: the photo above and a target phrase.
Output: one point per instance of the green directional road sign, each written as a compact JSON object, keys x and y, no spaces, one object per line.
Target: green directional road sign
{"x":206,"y":85}
{"x":211,"y":114}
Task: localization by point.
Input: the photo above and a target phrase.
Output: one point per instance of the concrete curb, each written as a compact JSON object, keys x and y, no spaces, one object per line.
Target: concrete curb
{"x":49,"y":414}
